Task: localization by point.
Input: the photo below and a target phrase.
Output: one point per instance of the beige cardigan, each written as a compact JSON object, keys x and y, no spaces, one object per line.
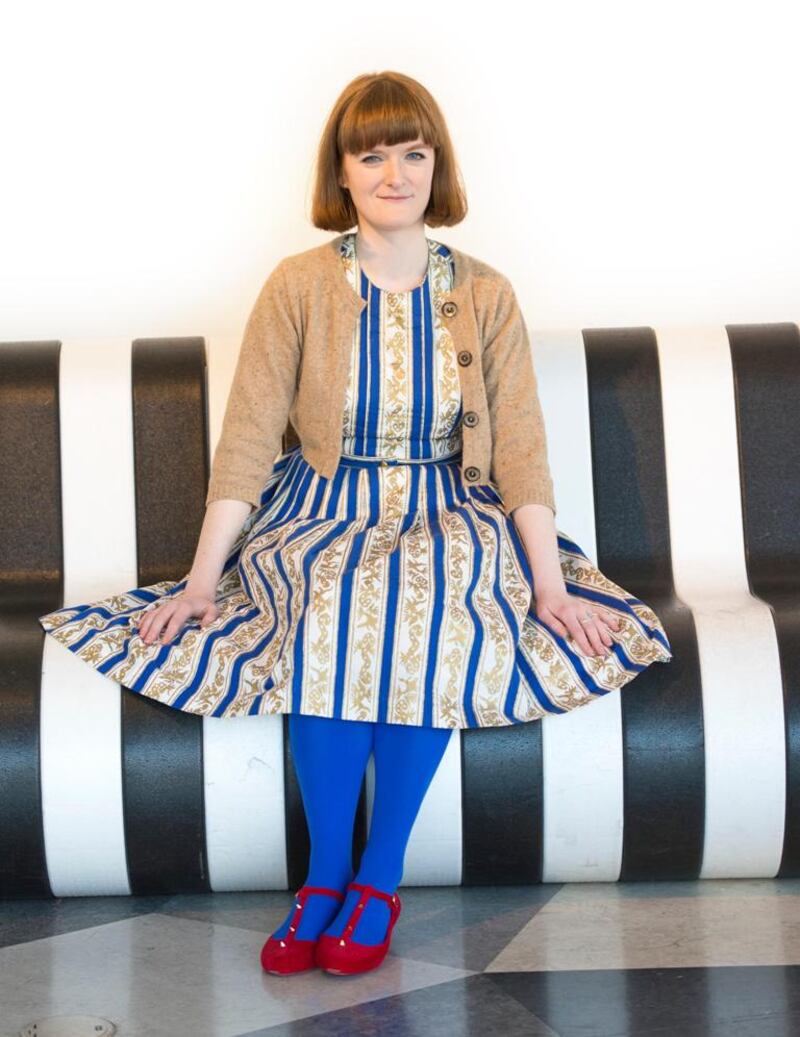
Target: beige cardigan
{"x":291,"y":374}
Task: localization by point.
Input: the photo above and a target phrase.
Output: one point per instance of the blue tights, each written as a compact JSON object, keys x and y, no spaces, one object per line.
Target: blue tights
{"x":330,"y":757}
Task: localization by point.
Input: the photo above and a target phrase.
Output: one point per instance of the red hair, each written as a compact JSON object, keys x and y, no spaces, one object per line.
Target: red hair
{"x":384,"y":108}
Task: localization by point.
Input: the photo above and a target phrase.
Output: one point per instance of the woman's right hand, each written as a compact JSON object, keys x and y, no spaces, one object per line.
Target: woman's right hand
{"x":172,"y":614}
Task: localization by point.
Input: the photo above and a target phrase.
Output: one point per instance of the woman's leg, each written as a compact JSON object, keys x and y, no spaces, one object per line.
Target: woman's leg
{"x":406,"y":759}
{"x":330,"y":757}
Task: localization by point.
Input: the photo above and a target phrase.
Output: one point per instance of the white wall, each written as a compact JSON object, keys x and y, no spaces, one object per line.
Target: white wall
{"x":626,"y":163}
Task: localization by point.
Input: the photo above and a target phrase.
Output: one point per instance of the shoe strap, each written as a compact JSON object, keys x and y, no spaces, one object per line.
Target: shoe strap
{"x":365,"y":887}
{"x":365,"y":892}
{"x":300,"y":898}
{"x":305,"y":892}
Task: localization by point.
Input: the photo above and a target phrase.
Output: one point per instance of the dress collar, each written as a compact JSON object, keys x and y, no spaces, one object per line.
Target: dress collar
{"x":331,"y":252}
{"x":438,"y":273}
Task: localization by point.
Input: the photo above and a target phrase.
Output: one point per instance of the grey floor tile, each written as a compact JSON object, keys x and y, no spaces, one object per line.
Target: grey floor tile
{"x":674,"y":1002}
{"x":470,"y":1006}
{"x":158,"y":974}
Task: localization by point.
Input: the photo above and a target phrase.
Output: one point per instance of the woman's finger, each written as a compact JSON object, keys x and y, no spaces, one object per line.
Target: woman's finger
{"x":569,"y":628}
{"x":144,"y":624}
{"x":595,"y":635}
{"x":591,"y":631}
{"x":158,"y":620}
{"x":176,"y":623}
{"x":177,"y":619}
{"x":607,"y":620}
{"x":170,"y":631}
{"x":603,"y":631}
{"x":552,"y":621}
{"x":581,"y":636}
{"x":587,"y":636}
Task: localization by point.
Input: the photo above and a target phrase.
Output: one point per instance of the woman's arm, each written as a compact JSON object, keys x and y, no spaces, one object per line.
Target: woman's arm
{"x":221,"y":526}
{"x":537,"y":529}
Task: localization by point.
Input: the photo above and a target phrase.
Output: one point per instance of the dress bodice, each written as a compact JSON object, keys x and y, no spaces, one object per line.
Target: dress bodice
{"x":403,"y":398}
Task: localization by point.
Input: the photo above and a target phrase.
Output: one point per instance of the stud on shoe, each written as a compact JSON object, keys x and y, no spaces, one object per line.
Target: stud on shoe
{"x":284,"y":956}
{"x":342,"y":956}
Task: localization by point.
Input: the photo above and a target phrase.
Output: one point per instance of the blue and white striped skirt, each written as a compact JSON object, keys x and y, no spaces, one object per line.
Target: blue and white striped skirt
{"x":391,"y":592}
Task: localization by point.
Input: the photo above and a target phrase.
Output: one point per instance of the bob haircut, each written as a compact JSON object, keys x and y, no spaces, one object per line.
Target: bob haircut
{"x":384,"y":108}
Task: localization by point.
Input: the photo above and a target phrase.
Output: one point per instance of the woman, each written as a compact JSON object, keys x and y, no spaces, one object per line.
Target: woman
{"x":396,"y":572}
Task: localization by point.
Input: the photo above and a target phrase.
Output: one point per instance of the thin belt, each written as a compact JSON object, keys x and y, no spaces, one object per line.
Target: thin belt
{"x":360,"y":460}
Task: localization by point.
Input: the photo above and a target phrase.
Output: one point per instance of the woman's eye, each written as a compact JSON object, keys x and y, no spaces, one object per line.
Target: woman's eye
{"x":367,"y":157}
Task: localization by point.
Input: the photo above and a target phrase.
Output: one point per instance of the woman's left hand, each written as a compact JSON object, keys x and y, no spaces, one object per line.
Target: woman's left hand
{"x":568,"y":615}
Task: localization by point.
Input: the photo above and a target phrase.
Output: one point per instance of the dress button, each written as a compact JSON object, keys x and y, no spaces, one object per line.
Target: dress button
{"x":470,"y":418}
{"x":472,"y":473}
{"x":449,"y":309}
{"x":464,"y":357}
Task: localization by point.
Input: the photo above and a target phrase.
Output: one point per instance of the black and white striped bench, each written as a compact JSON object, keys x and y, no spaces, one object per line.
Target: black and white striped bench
{"x":676,"y":460}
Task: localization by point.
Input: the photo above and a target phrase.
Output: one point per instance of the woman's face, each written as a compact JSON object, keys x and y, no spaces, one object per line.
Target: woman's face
{"x":403,"y":171}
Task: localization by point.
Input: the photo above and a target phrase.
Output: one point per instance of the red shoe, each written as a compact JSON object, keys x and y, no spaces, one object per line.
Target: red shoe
{"x":342,"y":956}
{"x":283,"y":957}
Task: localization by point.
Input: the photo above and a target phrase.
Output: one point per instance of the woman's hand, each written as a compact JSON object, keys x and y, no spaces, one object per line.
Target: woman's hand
{"x":568,"y":615}
{"x":174,"y":614}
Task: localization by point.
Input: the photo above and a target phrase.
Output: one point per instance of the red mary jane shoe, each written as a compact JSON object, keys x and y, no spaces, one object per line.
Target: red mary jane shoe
{"x":281,"y":957}
{"x":342,"y":956}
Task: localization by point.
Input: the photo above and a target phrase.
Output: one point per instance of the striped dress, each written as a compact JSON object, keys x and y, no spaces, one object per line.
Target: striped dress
{"x":393,"y":591}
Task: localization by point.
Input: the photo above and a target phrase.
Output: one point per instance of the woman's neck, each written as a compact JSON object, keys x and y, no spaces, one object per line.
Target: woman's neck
{"x":396,"y":261}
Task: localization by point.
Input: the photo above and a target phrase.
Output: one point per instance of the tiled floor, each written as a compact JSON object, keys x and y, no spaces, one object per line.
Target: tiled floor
{"x":579,"y":960}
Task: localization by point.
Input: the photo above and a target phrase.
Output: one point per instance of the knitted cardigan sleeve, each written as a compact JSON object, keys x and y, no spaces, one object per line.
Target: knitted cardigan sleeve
{"x":520,"y":465}
{"x":260,"y":396}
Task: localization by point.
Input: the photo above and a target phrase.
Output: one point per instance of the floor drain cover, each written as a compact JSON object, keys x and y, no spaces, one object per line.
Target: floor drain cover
{"x":69,"y":1026}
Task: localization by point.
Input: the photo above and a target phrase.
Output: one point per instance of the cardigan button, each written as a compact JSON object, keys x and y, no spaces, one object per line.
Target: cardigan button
{"x":470,"y":418}
{"x":472,"y":473}
{"x":449,"y":309}
{"x":464,"y":357}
